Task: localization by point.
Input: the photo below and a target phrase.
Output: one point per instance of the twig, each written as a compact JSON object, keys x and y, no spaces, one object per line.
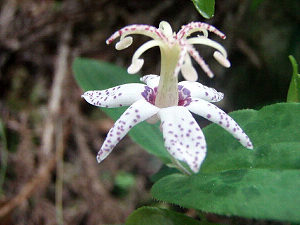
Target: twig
{"x":56,"y":91}
{"x":7,"y":16}
{"x":41,"y":177}
{"x":4,"y":155}
{"x":59,"y":173}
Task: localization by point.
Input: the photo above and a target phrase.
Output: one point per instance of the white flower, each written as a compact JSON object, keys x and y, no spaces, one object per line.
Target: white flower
{"x":176,"y":48}
{"x":183,"y":137}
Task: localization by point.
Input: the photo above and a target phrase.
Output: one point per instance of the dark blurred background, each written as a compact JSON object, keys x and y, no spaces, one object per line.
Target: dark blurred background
{"x":50,"y":137}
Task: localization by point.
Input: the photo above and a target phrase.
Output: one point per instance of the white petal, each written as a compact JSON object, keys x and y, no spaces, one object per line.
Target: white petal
{"x":183,"y":137}
{"x":122,"y":95}
{"x":198,"y":90}
{"x":151,"y":80}
{"x":136,"y":113}
{"x":216,"y":115}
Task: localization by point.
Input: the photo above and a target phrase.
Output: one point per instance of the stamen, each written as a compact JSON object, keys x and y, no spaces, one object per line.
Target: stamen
{"x":205,"y":41}
{"x":145,"y":47}
{"x":137,"y":63}
{"x":124,"y":42}
{"x":221,"y":59}
{"x":135,"y":66}
{"x":188,"y":71}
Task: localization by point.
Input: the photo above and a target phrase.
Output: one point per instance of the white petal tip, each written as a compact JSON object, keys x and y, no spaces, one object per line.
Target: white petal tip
{"x":123,"y":43}
{"x":135,"y":66}
{"x":250,"y":147}
{"x":221,"y":59}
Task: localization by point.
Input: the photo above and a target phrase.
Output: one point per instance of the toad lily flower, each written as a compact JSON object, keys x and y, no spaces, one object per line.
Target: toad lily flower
{"x":175,"y":49}
{"x":183,"y":137}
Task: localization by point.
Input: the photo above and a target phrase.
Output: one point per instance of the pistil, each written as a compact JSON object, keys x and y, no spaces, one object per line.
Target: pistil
{"x":167,"y":93}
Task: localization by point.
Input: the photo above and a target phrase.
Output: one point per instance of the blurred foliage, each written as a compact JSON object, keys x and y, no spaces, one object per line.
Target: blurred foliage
{"x":294,"y":89}
{"x":158,"y":216}
{"x":205,"y":7}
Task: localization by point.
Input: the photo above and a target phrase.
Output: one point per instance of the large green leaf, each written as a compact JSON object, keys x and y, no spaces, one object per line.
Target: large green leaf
{"x":205,"y":7}
{"x":253,"y":193}
{"x":294,"y":89}
{"x":96,"y":75}
{"x":259,"y":183}
{"x":274,"y":131}
{"x":158,"y":216}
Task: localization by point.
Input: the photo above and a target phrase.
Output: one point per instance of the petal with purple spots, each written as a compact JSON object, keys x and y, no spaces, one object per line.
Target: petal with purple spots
{"x":122,"y":95}
{"x":183,"y":137}
{"x":198,"y":90}
{"x":151,"y":80}
{"x":216,"y":115}
{"x":138,"y":112}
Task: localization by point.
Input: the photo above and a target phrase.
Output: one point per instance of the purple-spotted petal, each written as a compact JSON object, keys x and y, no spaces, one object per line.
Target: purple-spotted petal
{"x":216,"y":115}
{"x":182,"y":135}
{"x":122,"y":95}
{"x":198,"y":90}
{"x":136,"y":113}
{"x":151,"y":80}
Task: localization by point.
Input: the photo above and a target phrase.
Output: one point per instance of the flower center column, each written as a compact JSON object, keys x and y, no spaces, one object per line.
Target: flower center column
{"x":167,"y":93}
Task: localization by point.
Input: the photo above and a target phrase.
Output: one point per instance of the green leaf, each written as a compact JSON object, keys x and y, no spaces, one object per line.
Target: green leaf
{"x":96,"y":75}
{"x":158,"y":216}
{"x":253,"y":193}
{"x":261,"y":183}
{"x":294,"y":89}
{"x":274,"y":131}
{"x":164,"y":171}
{"x":205,"y":7}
